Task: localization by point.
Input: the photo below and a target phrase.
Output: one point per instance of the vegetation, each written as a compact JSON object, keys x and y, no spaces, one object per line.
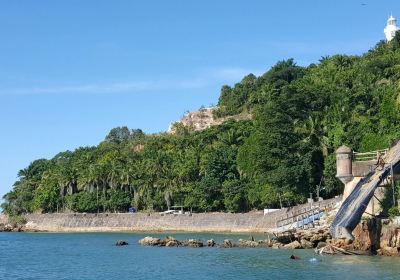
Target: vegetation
{"x":301,"y":115}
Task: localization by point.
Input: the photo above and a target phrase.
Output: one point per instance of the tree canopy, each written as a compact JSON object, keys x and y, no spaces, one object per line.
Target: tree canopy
{"x":300,"y":115}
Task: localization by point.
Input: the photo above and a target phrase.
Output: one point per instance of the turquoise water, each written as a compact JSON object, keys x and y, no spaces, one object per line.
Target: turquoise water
{"x":94,"y":256}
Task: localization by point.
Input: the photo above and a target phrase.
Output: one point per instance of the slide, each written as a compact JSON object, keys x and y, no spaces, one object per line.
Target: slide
{"x":349,"y":214}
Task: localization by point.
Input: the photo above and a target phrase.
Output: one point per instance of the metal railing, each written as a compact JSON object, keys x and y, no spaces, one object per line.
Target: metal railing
{"x":373,"y":155}
{"x":305,"y":215}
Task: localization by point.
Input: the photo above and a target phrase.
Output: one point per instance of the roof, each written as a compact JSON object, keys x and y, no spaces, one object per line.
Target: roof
{"x":343,"y":150}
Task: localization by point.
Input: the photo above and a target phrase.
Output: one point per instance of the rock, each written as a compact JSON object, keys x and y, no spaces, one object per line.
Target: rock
{"x":8,"y":228}
{"x":388,"y":251}
{"x":305,"y":244}
{"x":321,"y":245}
{"x":246,"y":243}
{"x":150,"y":241}
{"x":226,"y":244}
{"x":121,"y":243}
{"x":211,"y":243}
{"x":294,"y":245}
{"x":265,"y":243}
{"x":172,"y":243}
{"x":192,"y":243}
{"x":285,"y":239}
{"x":277,"y":245}
{"x":318,"y":238}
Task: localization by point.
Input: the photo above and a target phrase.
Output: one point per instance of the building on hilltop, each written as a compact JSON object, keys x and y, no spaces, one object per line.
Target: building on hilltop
{"x":391,"y":28}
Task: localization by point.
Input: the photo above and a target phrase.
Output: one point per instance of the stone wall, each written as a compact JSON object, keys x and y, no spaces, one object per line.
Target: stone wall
{"x":197,"y":222}
{"x":216,"y":222}
{"x":3,"y":219}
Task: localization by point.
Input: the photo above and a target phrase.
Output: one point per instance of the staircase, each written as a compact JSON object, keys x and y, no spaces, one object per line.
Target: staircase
{"x":349,"y":214}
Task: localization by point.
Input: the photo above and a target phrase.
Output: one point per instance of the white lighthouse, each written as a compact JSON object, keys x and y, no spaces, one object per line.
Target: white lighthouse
{"x":391,"y":28}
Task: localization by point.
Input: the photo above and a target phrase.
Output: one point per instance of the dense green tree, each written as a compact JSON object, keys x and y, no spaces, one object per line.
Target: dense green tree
{"x":300,"y":116}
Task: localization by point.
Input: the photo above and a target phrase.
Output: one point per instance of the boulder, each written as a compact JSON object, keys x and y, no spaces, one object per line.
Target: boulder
{"x":388,"y":251}
{"x":293,"y":245}
{"x":8,"y":228}
{"x":172,"y":243}
{"x":192,"y":243}
{"x":285,"y":239}
{"x":318,"y":238}
{"x":265,"y":243}
{"x":211,"y":243}
{"x":226,"y":244}
{"x":321,"y":245}
{"x":121,"y":243}
{"x":305,"y":244}
{"x":247,"y":243}
{"x":277,"y":245}
{"x":150,"y":241}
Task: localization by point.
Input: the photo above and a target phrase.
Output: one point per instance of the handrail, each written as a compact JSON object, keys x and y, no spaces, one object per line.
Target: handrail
{"x":365,"y":156}
{"x":292,"y":217}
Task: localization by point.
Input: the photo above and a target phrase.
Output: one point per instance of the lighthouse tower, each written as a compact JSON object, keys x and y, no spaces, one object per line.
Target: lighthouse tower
{"x":391,"y":28}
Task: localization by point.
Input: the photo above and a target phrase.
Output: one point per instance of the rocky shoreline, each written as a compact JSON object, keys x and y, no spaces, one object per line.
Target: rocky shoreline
{"x":371,"y":238}
{"x":299,"y":240}
{"x":7,"y":227}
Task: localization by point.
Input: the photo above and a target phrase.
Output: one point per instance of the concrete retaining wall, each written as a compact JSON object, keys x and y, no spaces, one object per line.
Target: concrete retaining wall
{"x":216,"y":222}
{"x":197,"y":222}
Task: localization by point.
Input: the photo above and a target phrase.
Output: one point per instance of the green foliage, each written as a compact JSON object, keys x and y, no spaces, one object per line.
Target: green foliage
{"x":234,"y":192}
{"x":120,"y":201}
{"x":394,"y":212}
{"x":300,"y":116}
{"x":82,"y":202}
{"x":16,"y":220}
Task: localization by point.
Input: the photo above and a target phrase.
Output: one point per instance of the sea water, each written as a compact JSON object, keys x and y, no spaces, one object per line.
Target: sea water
{"x":95,"y":256}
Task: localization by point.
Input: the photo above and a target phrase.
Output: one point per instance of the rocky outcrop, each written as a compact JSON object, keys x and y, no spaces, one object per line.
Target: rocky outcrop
{"x":372,"y":236}
{"x":204,"y":118}
{"x":170,"y":242}
{"x":211,"y":243}
{"x":151,"y":241}
{"x":293,"y":245}
{"x":248,"y":243}
{"x":192,"y":243}
{"x":12,"y":228}
{"x":121,"y":243}
{"x":226,"y":244}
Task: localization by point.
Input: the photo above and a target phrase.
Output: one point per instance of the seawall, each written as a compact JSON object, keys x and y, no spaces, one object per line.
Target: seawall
{"x":254,"y":221}
{"x":204,"y":222}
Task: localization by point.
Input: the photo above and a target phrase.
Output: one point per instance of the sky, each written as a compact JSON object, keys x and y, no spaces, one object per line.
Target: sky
{"x":72,"y":70}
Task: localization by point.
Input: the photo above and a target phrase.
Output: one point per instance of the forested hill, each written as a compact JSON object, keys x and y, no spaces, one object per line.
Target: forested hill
{"x":300,"y":116}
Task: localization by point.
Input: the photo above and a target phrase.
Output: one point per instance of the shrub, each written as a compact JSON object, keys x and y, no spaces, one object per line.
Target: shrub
{"x":16,"y":220}
{"x":394,"y":211}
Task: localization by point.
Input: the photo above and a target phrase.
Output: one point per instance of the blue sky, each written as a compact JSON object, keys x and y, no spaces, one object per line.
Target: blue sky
{"x":72,"y":70}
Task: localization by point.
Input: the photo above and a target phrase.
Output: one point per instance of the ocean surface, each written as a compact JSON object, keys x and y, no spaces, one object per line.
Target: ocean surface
{"x":94,"y":256}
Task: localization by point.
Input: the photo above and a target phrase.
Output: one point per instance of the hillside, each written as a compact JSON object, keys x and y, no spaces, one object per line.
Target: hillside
{"x":204,"y":118}
{"x":300,"y":115}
